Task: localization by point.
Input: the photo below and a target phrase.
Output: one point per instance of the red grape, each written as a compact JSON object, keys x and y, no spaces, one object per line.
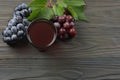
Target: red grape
{"x":65,"y":16}
{"x":66,"y":25}
{"x":55,"y":19}
{"x":61,"y":19}
{"x":62,"y":31}
{"x":57,"y":25}
{"x":69,"y":18}
{"x":64,"y":37}
{"x":72,"y":32}
{"x":72,"y":24}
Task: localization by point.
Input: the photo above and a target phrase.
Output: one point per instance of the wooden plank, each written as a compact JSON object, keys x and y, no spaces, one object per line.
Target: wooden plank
{"x":94,"y":54}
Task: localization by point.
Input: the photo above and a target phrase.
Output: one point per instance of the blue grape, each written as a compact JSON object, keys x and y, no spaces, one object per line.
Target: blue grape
{"x":19,"y":19}
{"x":29,"y":10}
{"x":4,"y":33}
{"x":24,"y":6}
{"x":57,"y":25}
{"x":19,"y":7}
{"x":20,"y":26}
{"x":17,"y":13}
{"x":14,"y":37}
{"x":26,"y":22}
{"x":25,"y":13}
{"x":14,"y":29}
{"x":9,"y":32}
{"x":13,"y":22}
{"x":20,"y":33}
{"x":7,"y":39}
{"x":26,"y":27}
{"x":9,"y":24}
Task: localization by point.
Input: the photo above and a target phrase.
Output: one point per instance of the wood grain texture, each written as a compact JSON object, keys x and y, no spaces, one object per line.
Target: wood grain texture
{"x":94,"y":54}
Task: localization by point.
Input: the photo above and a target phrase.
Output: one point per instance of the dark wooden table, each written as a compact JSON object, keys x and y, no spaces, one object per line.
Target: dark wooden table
{"x":94,"y":54}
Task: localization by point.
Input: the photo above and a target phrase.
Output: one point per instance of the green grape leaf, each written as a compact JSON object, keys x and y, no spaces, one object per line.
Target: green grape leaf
{"x":55,"y":10}
{"x":58,"y":10}
{"x":34,"y":14}
{"x":46,"y":13}
{"x":78,"y":13}
{"x":39,"y":10}
{"x":62,"y":4}
{"x":74,"y":2}
{"x":73,"y":13}
{"x":36,"y":6}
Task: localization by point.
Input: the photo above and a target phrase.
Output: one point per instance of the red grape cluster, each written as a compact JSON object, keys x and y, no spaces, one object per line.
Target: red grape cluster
{"x":65,"y":26}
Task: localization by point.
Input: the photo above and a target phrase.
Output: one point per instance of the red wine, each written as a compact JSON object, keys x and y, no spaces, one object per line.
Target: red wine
{"x":41,"y":33}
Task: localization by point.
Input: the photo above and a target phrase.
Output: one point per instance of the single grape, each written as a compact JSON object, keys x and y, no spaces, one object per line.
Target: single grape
{"x":54,"y":19}
{"x":4,"y":33}
{"x":72,"y":32}
{"x":62,"y":31}
{"x":61,"y":19}
{"x":14,"y":29}
{"x":69,"y":18}
{"x":13,"y":22}
{"x":24,"y":6}
{"x":6,"y":39}
{"x":29,"y":10}
{"x":17,"y":13}
{"x":61,"y":37}
{"x":26,"y":27}
{"x":14,"y":37}
{"x":57,"y":25}
{"x":25,"y":13}
{"x":19,"y":19}
{"x":9,"y":32}
{"x":72,"y":24}
{"x":8,"y":28}
{"x":26,"y":22}
{"x":66,"y":25}
{"x":9,"y":24}
{"x":20,"y":33}
{"x":20,"y":26}
{"x":65,"y":15}
{"x":18,"y":8}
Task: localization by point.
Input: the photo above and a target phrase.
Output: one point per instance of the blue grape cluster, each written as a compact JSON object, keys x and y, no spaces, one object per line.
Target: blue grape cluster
{"x":22,"y":10}
{"x":17,"y":26}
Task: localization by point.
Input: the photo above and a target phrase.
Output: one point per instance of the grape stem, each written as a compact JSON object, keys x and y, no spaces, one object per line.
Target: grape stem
{"x":51,"y":1}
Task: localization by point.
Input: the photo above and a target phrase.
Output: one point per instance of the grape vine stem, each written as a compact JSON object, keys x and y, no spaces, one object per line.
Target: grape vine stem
{"x":51,"y":1}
